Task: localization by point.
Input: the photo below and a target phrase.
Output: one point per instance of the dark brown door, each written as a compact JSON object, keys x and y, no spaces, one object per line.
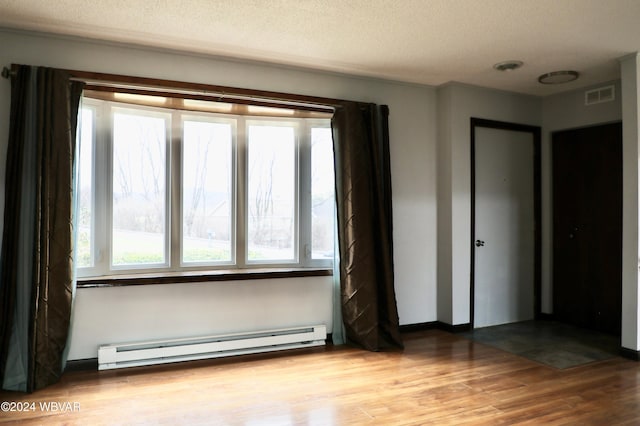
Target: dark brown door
{"x":587,"y":227}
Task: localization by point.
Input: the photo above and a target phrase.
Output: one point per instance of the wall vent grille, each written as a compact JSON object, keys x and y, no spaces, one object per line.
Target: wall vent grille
{"x":600,"y":95}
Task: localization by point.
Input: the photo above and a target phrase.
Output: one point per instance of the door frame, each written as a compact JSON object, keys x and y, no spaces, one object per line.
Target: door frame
{"x":537,"y":214}
{"x":588,"y":127}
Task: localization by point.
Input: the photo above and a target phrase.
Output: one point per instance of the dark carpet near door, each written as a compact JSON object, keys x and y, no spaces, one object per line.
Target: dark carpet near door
{"x":551,"y":343}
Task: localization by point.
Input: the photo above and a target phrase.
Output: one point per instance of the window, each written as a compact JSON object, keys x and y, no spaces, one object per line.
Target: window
{"x":322,"y":194}
{"x":201,"y":186}
{"x":207,"y":191}
{"x":138,"y":188}
{"x":271,"y":192}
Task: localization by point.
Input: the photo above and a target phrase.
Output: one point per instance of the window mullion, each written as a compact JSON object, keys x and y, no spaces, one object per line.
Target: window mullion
{"x":241,"y":213}
{"x":304,"y":194}
{"x":104,"y":188}
{"x":175,"y":185}
{"x":102,"y":167}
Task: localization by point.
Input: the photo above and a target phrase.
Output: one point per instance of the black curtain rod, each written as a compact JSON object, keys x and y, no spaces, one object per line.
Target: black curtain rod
{"x":230,"y":92}
{"x":7,"y":73}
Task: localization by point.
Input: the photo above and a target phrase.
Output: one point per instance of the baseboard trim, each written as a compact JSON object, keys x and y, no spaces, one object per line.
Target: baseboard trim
{"x":329,"y":339}
{"x":629,"y":353}
{"x":435,"y":325}
{"x":543,"y":316}
{"x":82,"y":365}
{"x":423,"y":326}
{"x":457,"y":328}
{"x":91,"y":364}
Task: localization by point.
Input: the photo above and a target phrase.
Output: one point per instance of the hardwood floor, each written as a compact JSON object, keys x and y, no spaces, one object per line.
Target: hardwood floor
{"x":439,"y":378}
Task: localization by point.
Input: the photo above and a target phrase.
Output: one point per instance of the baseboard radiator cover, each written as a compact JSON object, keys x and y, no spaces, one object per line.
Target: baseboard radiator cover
{"x":188,"y":349}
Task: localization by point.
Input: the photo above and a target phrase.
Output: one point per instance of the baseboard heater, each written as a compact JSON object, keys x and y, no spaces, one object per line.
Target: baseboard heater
{"x":175,"y":350}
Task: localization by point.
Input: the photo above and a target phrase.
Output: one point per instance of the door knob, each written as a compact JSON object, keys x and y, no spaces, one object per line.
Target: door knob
{"x":479,"y":243}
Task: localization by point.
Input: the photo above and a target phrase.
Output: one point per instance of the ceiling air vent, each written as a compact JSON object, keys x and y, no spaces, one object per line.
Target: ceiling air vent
{"x":600,"y":95}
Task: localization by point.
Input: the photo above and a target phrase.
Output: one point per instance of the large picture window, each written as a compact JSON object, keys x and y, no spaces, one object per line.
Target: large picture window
{"x":174,"y":189}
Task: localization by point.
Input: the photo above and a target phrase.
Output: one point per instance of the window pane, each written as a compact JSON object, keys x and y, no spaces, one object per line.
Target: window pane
{"x":84,"y":250}
{"x":271,"y":193}
{"x":322,"y":194}
{"x":139,"y":197}
{"x":207,"y":185}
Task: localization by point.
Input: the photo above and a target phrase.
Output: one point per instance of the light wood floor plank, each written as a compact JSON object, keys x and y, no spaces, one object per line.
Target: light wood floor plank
{"x":439,"y":378}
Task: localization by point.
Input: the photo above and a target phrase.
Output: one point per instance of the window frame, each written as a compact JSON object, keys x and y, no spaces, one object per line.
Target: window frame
{"x":178,"y":191}
{"x":297,"y":137}
{"x":93,"y":109}
{"x":309,"y":238}
{"x":102,"y":215}
{"x":168,"y":185}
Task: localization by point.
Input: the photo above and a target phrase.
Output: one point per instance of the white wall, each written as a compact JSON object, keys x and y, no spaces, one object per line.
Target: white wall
{"x":124,"y":314}
{"x":630,"y":75}
{"x":127,"y":313}
{"x":561,"y":112}
{"x":445,"y":227}
{"x":463,"y":102}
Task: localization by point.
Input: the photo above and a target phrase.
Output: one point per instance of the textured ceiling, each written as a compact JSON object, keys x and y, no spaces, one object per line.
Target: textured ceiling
{"x":420,"y":41}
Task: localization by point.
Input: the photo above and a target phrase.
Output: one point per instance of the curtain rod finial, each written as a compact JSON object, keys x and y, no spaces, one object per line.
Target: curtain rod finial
{"x":6,"y":72}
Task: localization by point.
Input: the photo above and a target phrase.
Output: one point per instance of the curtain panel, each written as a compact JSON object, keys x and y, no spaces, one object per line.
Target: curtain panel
{"x":363,"y":198}
{"x":36,"y":266}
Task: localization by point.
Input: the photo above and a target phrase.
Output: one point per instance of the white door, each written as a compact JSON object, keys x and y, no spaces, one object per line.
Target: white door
{"x":504,"y":227}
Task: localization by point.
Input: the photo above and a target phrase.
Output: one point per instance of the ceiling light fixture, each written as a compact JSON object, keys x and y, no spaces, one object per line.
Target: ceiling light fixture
{"x":508,"y":65}
{"x":558,"y":77}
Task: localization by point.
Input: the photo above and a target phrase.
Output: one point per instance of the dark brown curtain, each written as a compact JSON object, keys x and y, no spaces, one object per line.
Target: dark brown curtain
{"x":36,"y":270}
{"x":363,"y":195}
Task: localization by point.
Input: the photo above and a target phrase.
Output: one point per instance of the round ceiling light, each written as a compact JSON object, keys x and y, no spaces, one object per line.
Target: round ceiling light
{"x":558,"y":77}
{"x":508,"y":65}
